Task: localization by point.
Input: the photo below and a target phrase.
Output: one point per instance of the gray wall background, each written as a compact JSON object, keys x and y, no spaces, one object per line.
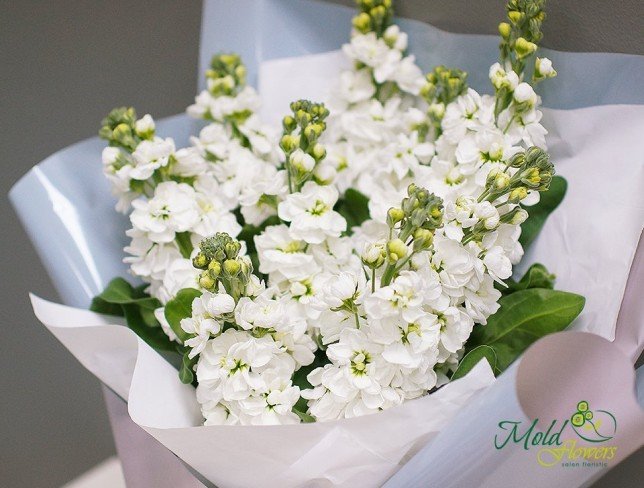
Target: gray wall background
{"x":63,"y":66}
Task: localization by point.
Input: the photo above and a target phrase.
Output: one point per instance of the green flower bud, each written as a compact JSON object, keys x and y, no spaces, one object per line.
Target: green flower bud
{"x":436,"y":110}
{"x":289,"y":143}
{"x":517,"y":160}
{"x":518,"y":194}
{"x":231,"y":267}
{"x":514,"y":16}
{"x":524,"y":48}
{"x":318,"y":152}
{"x":206,"y":281}
{"x":505,"y":30}
{"x":232,"y":249}
{"x":200,"y":261}
{"x":394,"y":215}
{"x":214,"y":268}
{"x":289,"y":123}
{"x":396,"y":249}
{"x":362,"y":22}
{"x":423,"y":239}
{"x":312,"y":132}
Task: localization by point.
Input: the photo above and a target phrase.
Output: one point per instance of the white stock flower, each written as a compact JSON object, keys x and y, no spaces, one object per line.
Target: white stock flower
{"x":206,"y":320}
{"x":150,"y":156}
{"x":172,"y":209}
{"x":524,"y":93}
{"x":311,"y":213}
{"x":497,"y":263}
{"x":280,"y":253}
{"x":403,"y":297}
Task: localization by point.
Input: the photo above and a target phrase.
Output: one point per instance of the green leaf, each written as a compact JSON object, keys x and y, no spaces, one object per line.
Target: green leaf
{"x":472,"y":358}
{"x":300,"y":376}
{"x":184,"y":243}
{"x":248,"y":234}
{"x":99,"y":305}
{"x":537,"y":276}
{"x":538,"y":213}
{"x":180,"y":307}
{"x":354,"y":207}
{"x":249,"y":231}
{"x":154,"y":336}
{"x":524,"y":317}
{"x":120,"y":292}
{"x":186,"y":374}
{"x":305,"y":417}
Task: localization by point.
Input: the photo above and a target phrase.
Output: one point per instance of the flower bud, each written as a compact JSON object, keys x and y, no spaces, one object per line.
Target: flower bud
{"x":517,"y":194}
{"x":396,"y":249}
{"x":206,"y":281}
{"x":531,"y":177}
{"x":110,"y":155}
{"x":144,"y":127}
{"x":362,"y":22}
{"x":501,"y":181}
{"x":302,"y":162}
{"x":318,"y":152}
{"x":436,"y":110}
{"x":504,"y":30}
{"x":394,"y":215}
{"x":374,"y":255}
{"x":312,"y":132}
{"x":543,"y":68}
{"x":289,"y":123}
{"x":491,"y":176}
{"x":231,"y":267}
{"x":215,"y":268}
{"x":519,"y":217}
{"x":524,"y":94}
{"x":515,"y":16}
{"x":325,"y":174}
{"x":423,"y":239}
{"x":200,"y":261}
{"x":232,"y":248}
{"x":524,"y":48}
{"x":288,"y":143}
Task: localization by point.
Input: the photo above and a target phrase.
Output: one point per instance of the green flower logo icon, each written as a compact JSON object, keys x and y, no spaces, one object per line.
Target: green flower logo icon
{"x":598,"y":426}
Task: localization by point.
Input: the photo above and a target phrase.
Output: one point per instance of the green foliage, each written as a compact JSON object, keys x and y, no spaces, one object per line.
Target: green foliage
{"x":538,"y":213}
{"x":120,"y":298}
{"x":186,"y":373}
{"x":184,"y":243}
{"x":354,"y":207}
{"x":537,"y":276}
{"x":248,"y":234}
{"x":524,"y":317}
{"x":180,"y":307}
{"x":472,"y":358}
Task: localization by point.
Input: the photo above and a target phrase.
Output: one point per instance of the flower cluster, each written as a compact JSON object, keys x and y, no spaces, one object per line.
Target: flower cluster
{"x":300,"y":309}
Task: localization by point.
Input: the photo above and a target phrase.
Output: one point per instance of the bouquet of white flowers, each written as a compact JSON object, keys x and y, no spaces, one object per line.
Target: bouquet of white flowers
{"x":328,"y":288}
{"x":358,"y":260}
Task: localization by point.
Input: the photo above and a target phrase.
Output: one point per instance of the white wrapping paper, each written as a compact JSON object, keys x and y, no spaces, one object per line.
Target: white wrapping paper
{"x":363,"y":451}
